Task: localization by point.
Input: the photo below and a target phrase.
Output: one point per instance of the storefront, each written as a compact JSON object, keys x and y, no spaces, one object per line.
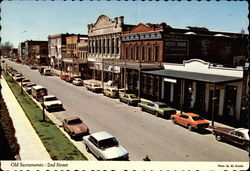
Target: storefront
{"x":197,"y":86}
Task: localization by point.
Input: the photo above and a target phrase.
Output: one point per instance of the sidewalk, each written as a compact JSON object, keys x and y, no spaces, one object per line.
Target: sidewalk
{"x":31,"y":147}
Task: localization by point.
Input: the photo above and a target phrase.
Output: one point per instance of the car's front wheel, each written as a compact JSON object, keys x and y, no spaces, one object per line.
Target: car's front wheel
{"x":174,"y":120}
{"x":189,"y":127}
{"x":218,"y":137}
{"x":247,"y":148}
{"x":156,"y":114}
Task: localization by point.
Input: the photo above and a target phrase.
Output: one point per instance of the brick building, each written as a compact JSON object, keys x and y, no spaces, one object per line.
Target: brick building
{"x":71,"y":61}
{"x":187,"y":58}
{"x":36,"y":52}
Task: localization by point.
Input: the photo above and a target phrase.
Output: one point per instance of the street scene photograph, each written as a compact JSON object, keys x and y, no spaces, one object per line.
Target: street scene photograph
{"x":144,"y":85}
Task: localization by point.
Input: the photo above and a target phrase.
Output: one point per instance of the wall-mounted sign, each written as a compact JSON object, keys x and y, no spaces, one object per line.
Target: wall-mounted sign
{"x":176,"y":47}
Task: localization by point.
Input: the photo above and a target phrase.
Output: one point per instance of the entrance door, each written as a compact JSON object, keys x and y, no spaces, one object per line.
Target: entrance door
{"x":230,"y":101}
{"x":216,"y":102}
{"x":167,"y":90}
{"x":199,"y":105}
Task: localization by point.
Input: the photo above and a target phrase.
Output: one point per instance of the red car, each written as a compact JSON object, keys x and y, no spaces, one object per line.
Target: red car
{"x":190,"y":120}
{"x":64,"y":77}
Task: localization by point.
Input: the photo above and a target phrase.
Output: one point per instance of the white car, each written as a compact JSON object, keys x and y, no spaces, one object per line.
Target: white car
{"x":105,"y":147}
{"x":77,"y":81}
{"x":51,"y":102}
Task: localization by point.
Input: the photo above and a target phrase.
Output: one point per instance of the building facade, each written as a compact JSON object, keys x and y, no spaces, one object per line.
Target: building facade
{"x":57,"y":49}
{"x":21,"y":51}
{"x":72,"y":60}
{"x":36,"y":52}
{"x":104,"y":47}
{"x":188,"y":56}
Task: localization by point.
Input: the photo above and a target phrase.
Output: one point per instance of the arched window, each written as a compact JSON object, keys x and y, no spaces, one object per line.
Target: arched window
{"x":137,"y":52}
{"x":112,"y":46}
{"x":142,"y":53}
{"x":108,"y":43}
{"x":156,"y":53}
{"x":148,"y":53}
{"x":103,"y":45}
{"x":131,"y":54}
{"x":100,"y":46}
{"x":117,"y":46}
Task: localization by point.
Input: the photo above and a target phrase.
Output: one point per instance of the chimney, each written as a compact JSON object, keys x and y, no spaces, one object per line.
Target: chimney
{"x":116,"y":20}
{"x":121,"y":20}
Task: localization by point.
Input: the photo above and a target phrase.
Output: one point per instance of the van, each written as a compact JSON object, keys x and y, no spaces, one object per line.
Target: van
{"x":47,"y":72}
{"x":38,"y":92}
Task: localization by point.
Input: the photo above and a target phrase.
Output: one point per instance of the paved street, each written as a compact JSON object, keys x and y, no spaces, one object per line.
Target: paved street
{"x":139,"y":132}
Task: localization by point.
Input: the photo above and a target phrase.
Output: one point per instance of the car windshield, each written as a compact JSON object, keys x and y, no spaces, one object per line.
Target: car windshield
{"x":132,"y":96}
{"x":74,"y":121}
{"x":96,"y":85}
{"x":163,"y":106}
{"x":197,"y":118}
{"x":111,"y":142}
{"x":30,"y":85}
{"x":50,"y":98}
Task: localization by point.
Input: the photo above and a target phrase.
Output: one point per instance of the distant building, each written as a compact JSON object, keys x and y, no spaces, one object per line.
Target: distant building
{"x":14,"y":53}
{"x":21,"y":51}
{"x":75,"y":53}
{"x":36,"y":52}
{"x":57,"y":49}
{"x":104,"y":47}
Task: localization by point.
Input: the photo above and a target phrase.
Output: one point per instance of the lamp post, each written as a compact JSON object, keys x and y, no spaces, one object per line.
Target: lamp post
{"x":139,"y":72}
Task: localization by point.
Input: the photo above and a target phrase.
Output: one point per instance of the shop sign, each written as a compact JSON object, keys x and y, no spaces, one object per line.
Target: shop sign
{"x":176,"y":47}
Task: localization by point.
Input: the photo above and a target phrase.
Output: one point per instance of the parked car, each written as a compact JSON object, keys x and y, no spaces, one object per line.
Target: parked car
{"x":63,"y":77}
{"x":157,"y":108}
{"x":75,"y":127}
{"x":18,"y":78}
{"x":33,"y":67}
{"x":38,"y":92}
{"x":78,"y":81}
{"x":51,"y":102}
{"x":239,"y":135}
{"x":190,"y":120}
{"x":94,"y":87}
{"x":111,"y":92}
{"x":25,"y":80}
{"x":130,"y":99}
{"x":47,"y":72}
{"x":69,"y":79}
{"x":105,"y":146}
{"x":28,"y":87}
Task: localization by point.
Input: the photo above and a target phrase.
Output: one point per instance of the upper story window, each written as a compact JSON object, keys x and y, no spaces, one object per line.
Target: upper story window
{"x":108,"y":45}
{"x":156,"y":53}
{"x":136,"y":52}
{"x":142,"y":53}
{"x":131,"y":54}
{"x":117,"y":46}
{"x":149,"y":53}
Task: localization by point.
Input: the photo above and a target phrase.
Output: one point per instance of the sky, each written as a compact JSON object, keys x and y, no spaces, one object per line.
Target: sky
{"x":35,"y":20}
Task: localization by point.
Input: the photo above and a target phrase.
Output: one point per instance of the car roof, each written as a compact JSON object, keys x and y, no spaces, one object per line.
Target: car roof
{"x":191,"y":114}
{"x":72,"y":118}
{"x":49,"y":96}
{"x":102,"y":135}
{"x":38,"y":87}
{"x":159,"y":103}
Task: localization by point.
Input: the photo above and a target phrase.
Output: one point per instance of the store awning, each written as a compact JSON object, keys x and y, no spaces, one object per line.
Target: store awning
{"x":209,"y":78}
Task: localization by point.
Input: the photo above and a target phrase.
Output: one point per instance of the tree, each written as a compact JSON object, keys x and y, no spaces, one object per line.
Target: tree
{"x":6,"y":48}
